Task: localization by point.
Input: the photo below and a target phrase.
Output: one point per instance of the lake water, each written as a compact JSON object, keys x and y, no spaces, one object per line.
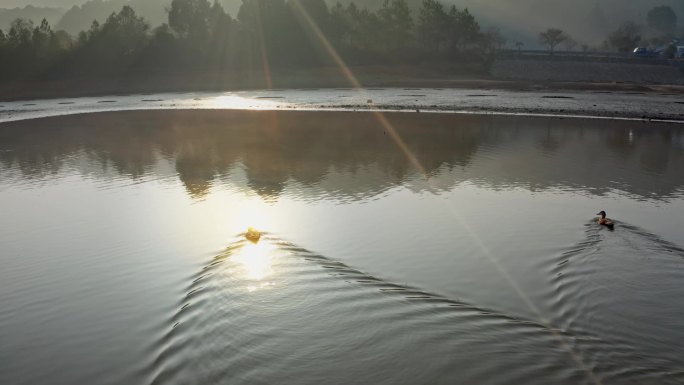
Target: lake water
{"x":398,"y":248}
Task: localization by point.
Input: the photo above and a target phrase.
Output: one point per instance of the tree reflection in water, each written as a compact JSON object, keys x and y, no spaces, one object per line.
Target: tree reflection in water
{"x":311,"y":148}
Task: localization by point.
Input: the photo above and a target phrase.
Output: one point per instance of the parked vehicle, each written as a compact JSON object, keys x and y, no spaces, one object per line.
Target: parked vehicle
{"x":644,"y":52}
{"x":679,"y":54}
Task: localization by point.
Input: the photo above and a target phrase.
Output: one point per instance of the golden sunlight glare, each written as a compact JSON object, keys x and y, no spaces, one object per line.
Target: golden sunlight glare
{"x":238,"y":102}
{"x":255,"y":261}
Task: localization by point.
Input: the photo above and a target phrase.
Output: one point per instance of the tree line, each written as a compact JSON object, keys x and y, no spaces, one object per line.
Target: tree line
{"x":660,"y":31}
{"x":200,"y":35}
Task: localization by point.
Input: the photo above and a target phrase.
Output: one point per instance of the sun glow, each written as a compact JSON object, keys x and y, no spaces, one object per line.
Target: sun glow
{"x":232,"y":101}
{"x":252,"y":214}
{"x":255,"y":261}
{"x":253,"y":265}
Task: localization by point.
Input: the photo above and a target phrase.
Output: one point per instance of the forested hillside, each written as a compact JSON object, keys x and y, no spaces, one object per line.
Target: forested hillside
{"x":265,"y":35}
{"x":199,"y":35}
{"x":588,"y":21}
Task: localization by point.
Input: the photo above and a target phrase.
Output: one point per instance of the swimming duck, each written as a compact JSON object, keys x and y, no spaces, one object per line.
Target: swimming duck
{"x":605,"y":221}
{"x":253,"y":235}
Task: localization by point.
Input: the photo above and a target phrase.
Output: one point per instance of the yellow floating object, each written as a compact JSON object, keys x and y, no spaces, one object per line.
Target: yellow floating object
{"x":253,"y":235}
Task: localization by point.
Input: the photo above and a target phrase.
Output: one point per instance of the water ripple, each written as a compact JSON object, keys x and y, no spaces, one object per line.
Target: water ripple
{"x":620,"y":285}
{"x":318,"y":320}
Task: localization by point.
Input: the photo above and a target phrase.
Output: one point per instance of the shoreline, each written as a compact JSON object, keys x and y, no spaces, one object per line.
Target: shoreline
{"x":530,"y":114}
{"x":523,"y":114}
{"x":51,"y":90}
{"x":615,"y":105}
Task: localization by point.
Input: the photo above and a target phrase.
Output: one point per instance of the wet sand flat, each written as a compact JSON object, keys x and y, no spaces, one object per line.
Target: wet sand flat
{"x":604,"y":104}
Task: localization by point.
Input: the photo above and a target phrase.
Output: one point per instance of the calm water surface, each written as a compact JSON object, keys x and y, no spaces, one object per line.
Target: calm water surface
{"x":398,"y":249}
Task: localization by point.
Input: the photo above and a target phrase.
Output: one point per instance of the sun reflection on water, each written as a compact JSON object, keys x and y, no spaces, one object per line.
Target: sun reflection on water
{"x":243,"y":103}
{"x":254,"y":264}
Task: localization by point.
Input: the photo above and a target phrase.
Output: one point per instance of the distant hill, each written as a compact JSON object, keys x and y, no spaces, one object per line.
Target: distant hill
{"x":37,"y":14}
{"x":40,"y":3}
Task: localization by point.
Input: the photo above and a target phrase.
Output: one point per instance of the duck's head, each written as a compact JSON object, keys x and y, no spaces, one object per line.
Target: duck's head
{"x":602,"y":213}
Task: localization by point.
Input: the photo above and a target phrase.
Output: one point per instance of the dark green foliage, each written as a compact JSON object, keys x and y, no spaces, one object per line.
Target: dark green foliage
{"x":79,"y":17}
{"x":267,"y":35}
{"x":433,"y":26}
{"x":465,"y":31}
{"x":662,"y":20}
{"x":266,"y":28}
{"x":626,"y":38}
{"x":190,"y":19}
{"x":311,"y":29}
{"x":29,"y":50}
{"x":112,"y":46}
{"x":396,"y":26}
{"x":20,"y":33}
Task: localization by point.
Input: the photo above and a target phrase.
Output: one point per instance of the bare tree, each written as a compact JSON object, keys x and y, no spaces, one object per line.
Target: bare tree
{"x":552,"y":37}
{"x":519,"y":45}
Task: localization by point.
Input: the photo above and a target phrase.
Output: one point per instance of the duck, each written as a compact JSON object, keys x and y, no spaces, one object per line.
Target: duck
{"x":605,"y":221}
{"x":253,"y":235}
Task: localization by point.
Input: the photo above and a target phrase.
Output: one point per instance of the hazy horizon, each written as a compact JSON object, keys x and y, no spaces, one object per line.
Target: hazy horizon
{"x":587,"y":21}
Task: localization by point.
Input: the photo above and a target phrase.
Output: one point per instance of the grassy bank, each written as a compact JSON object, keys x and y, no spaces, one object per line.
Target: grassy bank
{"x":444,"y":76}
